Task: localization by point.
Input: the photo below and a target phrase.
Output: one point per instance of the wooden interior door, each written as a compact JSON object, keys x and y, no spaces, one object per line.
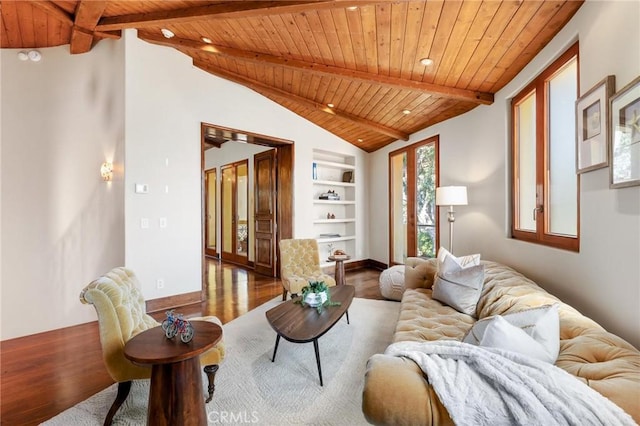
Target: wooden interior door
{"x":264,"y":166}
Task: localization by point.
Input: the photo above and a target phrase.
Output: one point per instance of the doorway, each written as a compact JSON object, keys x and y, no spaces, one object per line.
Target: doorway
{"x":272,"y":218}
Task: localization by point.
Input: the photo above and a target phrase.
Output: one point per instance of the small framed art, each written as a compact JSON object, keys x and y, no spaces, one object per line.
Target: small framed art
{"x":592,"y":126}
{"x":624,"y":150}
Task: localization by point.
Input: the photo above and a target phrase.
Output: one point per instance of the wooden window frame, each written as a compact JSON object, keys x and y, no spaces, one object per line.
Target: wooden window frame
{"x":540,"y":86}
{"x":412,"y":226}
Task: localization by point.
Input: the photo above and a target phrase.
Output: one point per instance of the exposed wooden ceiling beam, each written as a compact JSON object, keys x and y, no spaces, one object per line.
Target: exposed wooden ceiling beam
{"x":236,"y":9}
{"x":54,"y":11}
{"x":308,"y":103}
{"x":88,"y":14}
{"x":354,"y":75}
{"x":115,"y":35}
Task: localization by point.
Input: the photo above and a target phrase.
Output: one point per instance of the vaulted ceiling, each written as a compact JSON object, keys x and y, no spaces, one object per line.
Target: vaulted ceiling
{"x":351,"y":67}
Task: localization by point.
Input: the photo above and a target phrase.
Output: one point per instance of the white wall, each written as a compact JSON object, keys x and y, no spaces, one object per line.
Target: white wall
{"x":62,"y":226}
{"x":166,"y":100}
{"x":603,"y":279}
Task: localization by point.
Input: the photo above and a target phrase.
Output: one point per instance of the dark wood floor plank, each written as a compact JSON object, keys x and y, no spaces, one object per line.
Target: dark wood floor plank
{"x":47,"y":373}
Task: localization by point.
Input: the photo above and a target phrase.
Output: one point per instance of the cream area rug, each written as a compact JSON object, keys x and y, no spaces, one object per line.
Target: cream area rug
{"x":250,"y":389}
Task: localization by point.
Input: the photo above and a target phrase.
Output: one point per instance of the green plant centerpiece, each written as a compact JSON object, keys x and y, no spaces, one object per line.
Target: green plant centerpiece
{"x":316,"y":295}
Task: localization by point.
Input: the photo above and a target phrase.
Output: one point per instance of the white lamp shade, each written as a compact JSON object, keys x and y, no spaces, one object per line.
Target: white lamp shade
{"x":451,"y":196}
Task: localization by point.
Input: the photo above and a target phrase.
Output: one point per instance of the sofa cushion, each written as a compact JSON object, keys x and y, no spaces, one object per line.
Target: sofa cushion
{"x":424,"y":318}
{"x":419,"y":272}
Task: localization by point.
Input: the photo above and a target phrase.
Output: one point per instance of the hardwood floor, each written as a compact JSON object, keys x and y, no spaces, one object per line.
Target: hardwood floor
{"x":46,"y":373}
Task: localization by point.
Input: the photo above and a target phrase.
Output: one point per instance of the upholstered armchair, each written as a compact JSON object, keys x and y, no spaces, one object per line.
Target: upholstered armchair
{"x":117,"y":298}
{"x":299,"y":264}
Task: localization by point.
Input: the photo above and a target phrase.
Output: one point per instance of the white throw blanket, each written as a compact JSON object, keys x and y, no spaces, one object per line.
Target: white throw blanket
{"x":487,"y":386}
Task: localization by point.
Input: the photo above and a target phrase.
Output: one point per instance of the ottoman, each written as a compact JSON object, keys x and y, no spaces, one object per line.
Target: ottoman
{"x":392,"y":282}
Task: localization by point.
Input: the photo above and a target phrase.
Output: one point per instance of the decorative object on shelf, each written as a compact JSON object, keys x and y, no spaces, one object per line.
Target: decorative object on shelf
{"x":333,"y":216}
{"x":592,"y":126}
{"x":316,"y":295}
{"x":347,"y":176}
{"x":330,"y":235}
{"x":175,"y":324}
{"x":339,"y":255}
{"x":451,"y":196}
{"x":329,"y":195}
{"x":315,"y":171}
{"x":329,"y":247}
{"x":328,"y":215}
{"x":624,"y":148}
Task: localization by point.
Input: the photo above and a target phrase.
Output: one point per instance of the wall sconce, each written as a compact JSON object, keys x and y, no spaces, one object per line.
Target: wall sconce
{"x":106,"y":171}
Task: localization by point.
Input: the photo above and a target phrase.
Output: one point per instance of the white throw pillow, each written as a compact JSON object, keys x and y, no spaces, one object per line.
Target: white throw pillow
{"x":501,"y":334}
{"x":462,"y":262}
{"x":459,"y":288}
{"x":458,"y":281}
{"x":542,"y":324}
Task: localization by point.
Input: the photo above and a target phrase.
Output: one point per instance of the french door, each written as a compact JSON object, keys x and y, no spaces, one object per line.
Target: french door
{"x":413,"y":219}
{"x":234,"y":208}
{"x":210,"y":184}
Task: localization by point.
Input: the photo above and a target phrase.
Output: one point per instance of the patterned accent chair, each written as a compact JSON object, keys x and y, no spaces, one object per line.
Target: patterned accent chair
{"x":121,"y":312}
{"x":299,"y":264}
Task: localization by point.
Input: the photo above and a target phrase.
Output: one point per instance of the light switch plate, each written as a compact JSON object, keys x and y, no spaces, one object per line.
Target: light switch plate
{"x":142,"y":188}
{"x":144,"y":223}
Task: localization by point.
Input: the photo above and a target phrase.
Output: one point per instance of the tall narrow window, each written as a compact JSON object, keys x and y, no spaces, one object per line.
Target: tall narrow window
{"x":413,"y":176}
{"x":545,"y":183}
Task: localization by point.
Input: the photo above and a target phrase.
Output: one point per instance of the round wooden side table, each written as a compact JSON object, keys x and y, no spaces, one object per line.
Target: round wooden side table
{"x":176,"y":394}
{"x":339,"y":271}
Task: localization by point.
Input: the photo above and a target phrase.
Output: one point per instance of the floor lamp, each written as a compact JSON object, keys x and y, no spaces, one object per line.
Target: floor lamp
{"x":451,"y":196}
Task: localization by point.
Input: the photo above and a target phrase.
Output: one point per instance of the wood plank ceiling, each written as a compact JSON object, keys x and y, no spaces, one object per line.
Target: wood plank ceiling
{"x":363,"y":57}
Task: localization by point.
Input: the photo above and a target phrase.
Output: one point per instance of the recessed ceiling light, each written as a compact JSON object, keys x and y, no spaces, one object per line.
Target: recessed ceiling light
{"x":406,"y":111}
{"x":206,"y":40}
{"x":34,"y":55}
{"x":352,"y":8}
{"x":426,"y":61}
{"x":167,"y":33}
{"x":359,"y":140}
{"x":330,"y":105}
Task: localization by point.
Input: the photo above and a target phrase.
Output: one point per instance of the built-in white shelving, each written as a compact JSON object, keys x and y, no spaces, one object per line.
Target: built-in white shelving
{"x":334,"y":220}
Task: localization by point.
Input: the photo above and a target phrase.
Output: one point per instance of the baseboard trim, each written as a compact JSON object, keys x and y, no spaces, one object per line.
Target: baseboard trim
{"x":164,"y":303}
{"x":356,"y":264}
{"x":376,"y":265}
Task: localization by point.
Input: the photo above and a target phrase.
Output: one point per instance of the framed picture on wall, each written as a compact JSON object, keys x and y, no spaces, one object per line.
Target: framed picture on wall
{"x":624,"y":148}
{"x":592,"y":126}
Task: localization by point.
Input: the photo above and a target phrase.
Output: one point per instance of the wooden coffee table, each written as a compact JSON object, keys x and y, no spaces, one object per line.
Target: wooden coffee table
{"x":303,"y":324}
{"x":176,"y":395}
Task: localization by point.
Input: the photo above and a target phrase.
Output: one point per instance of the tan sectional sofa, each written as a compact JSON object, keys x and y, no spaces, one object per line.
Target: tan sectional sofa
{"x":396,"y":392}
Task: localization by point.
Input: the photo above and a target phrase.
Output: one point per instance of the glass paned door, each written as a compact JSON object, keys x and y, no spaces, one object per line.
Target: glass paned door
{"x":235,"y":212}
{"x":426,"y":200}
{"x":398,"y":200}
{"x":413,"y":222}
{"x":210,"y":211}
